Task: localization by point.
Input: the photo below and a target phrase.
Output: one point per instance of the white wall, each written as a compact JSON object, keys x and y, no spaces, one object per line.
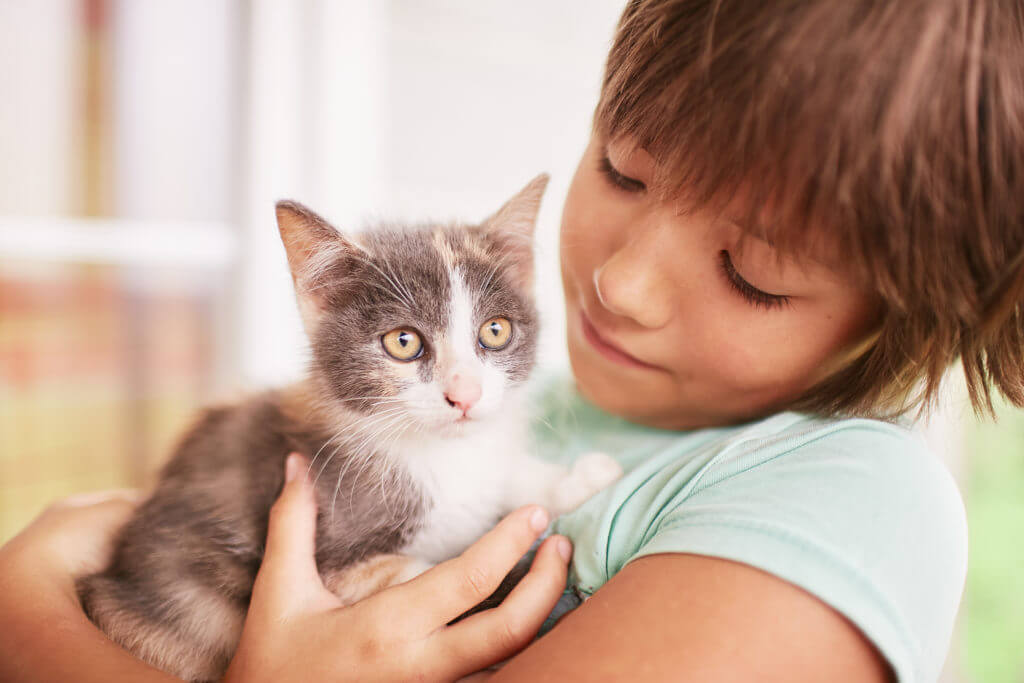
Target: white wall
{"x":38,"y":52}
{"x":407,"y":109}
{"x":175,"y":109}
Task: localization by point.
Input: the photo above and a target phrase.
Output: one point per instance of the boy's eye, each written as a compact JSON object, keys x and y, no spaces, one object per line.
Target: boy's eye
{"x":618,"y":180}
{"x":748,"y":291}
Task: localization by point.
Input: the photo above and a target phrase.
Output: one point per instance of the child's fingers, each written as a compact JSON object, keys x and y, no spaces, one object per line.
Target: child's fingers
{"x":452,"y":587}
{"x":499,"y":633}
{"x":288,"y":561}
{"x":76,"y":534}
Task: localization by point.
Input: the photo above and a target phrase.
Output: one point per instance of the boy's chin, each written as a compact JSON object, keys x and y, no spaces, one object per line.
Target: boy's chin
{"x":632,"y":399}
{"x":652,"y":402}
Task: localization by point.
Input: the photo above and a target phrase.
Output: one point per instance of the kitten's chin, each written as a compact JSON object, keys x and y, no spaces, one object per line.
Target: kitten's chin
{"x":457,"y":427}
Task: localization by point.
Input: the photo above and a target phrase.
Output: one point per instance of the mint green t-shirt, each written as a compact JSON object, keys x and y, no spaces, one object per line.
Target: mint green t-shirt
{"x":857,"y":512}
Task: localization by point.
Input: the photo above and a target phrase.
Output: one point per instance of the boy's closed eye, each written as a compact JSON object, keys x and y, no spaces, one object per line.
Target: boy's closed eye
{"x":617,"y":179}
{"x":756,"y":297}
{"x":749,"y":292}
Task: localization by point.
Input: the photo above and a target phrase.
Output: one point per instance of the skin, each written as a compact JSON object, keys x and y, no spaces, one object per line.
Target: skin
{"x":648,"y":276}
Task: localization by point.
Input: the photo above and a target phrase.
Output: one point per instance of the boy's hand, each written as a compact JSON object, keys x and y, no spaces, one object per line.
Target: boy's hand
{"x":46,"y":636}
{"x":70,"y":538}
{"x":298,"y":630}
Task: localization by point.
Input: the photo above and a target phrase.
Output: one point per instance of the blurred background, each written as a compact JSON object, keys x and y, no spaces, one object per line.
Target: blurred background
{"x":144,"y":143}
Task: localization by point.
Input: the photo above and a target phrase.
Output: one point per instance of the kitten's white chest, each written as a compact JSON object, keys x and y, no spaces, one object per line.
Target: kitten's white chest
{"x":465,"y":481}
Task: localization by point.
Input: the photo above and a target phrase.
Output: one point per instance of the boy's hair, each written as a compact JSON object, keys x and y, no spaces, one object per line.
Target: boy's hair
{"x":888,"y":132}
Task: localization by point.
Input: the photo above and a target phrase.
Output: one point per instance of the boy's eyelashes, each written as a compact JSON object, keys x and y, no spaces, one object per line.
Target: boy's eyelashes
{"x":752,"y":294}
{"x":618,"y":180}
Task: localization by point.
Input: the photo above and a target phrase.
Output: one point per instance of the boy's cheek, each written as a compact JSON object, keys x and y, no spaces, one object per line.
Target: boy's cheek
{"x":757,"y":366}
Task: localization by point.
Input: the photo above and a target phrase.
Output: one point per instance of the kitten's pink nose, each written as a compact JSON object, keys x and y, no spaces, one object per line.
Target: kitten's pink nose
{"x":462,"y":392}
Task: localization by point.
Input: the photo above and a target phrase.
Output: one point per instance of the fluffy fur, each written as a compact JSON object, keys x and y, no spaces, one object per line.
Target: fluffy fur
{"x":406,"y":475}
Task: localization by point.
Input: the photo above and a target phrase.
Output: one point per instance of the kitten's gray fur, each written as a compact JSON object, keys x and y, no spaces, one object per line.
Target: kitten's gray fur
{"x":179,"y":582}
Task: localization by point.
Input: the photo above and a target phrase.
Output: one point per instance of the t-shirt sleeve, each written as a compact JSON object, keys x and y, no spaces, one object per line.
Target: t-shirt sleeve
{"x":865,"y":518}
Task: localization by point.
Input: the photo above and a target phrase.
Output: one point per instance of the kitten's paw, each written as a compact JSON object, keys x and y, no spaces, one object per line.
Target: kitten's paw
{"x":589,"y":474}
{"x":596,"y":469}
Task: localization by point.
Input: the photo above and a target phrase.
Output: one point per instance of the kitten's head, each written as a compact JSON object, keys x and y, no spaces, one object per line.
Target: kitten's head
{"x":427,"y":327}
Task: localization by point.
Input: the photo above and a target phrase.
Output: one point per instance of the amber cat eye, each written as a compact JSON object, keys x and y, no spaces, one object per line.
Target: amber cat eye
{"x":402,"y":344}
{"x":495,"y":333}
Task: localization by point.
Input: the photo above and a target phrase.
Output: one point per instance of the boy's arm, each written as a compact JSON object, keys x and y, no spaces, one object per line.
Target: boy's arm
{"x":46,"y":636}
{"x":694,"y":618}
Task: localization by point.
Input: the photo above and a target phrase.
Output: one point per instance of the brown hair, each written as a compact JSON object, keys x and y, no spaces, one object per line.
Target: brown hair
{"x":891,"y":131}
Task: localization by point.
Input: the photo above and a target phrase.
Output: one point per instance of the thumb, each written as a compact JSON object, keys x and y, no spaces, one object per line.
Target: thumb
{"x":289,"y":567}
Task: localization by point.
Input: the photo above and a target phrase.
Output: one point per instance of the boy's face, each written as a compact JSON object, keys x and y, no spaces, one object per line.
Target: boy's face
{"x":671,"y":323}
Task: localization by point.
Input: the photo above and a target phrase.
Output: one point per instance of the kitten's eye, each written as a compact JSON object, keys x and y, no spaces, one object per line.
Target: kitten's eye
{"x":402,"y":344}
{"x":495,"y":333}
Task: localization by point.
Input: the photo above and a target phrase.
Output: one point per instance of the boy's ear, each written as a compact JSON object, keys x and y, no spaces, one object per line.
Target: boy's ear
{"x":320,"y":259}
{"x":513,"y":225}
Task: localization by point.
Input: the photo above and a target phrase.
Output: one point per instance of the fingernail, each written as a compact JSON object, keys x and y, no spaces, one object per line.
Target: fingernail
{"x":564,"y":548}
{"x":292,"y":467}
{"x":539,"y":519}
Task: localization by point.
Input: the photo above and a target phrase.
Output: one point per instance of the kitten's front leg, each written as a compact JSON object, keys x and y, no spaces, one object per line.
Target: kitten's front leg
{"x":560,"y":488}
{"x":590,"y":473}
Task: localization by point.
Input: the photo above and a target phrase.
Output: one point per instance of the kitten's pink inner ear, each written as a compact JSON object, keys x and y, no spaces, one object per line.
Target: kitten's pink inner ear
{"x":513,"y":224}
{"x":317,"y":254}
{"x":519,"y":214}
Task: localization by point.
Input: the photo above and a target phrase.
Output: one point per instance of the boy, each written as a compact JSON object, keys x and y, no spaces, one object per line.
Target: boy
{"x":785,"y":206}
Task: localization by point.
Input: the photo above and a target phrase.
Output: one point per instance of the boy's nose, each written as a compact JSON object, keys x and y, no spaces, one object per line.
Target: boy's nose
{"x":629,"y":284}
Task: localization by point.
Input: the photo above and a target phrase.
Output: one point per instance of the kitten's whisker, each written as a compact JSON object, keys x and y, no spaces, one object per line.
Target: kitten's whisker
{"x":378,"y":426}
{"x":501,"y":259}
{"x":320,"y":450}
{"x":394,"y":286}
{"x":397,"y":290}
{"x":401,"y":284}
{"x":368,"y":460}
{"x":393,"y":400}
{"x":352,"y":435}
{"x":361,"y":398}
{"x":341,"y":475}
{"x":377,"y":423}
{"x":544,"y":422}
{"x":328,"y":461}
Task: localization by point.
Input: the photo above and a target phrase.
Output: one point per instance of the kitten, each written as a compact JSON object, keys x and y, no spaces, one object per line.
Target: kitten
{"x":413,"y":410}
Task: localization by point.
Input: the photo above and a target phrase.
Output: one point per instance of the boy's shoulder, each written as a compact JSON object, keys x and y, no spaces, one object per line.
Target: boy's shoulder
{"x":859,"y":512}
{"x":850,"y":450}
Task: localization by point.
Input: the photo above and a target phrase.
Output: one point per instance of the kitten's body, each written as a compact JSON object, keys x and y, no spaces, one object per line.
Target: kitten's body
{"x":402,"y":481}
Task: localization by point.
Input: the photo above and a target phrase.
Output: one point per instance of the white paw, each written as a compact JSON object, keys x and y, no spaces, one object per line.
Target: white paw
{"x":596,"y":469}
{"x":589,"y":474}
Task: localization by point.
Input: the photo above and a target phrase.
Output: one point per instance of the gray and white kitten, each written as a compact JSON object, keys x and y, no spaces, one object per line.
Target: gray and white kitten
{"x":413,"y":410}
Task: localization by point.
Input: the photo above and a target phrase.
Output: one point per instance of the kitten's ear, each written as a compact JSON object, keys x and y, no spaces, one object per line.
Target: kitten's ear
{"x":513,"y":226}
{"x":319,"y":256}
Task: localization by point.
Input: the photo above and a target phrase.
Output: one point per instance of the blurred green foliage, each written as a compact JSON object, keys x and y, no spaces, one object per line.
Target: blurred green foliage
{"x":994,"y":599}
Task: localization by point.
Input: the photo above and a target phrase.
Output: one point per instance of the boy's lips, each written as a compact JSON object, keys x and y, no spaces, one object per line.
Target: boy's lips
{"x":608,"y":348}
